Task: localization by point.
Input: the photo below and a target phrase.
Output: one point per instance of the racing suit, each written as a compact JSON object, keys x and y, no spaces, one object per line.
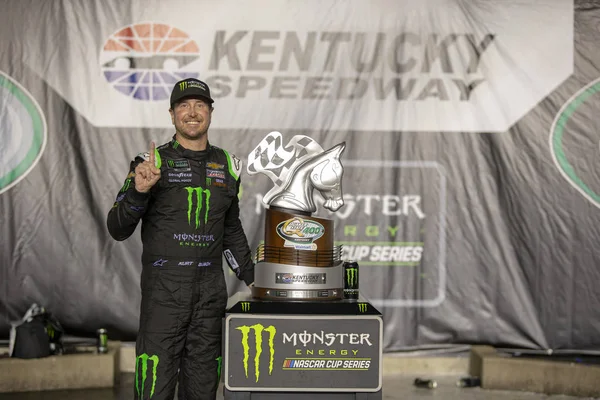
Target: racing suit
{"x":190,"y":219}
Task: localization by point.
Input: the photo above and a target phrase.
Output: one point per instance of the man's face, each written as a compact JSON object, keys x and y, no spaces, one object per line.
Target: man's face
{"x":191,"y":118}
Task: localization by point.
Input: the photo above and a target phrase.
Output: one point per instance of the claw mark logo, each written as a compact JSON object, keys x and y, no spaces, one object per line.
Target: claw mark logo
{"x":574,"y":149}
{"x":197,"y":195}
{"x":140,"y":381}
{"x":24,"y":132}
{"x":362,"y":307}
{"x":258,"y":342}
{"x":245,"y":306}
{"x":219,"y":361}
{"x":126,"y":185}
{"x":352,"y":277}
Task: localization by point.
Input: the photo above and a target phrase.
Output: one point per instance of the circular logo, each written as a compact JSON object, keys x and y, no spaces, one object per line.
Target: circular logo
{"x":575,"y":143}
{"x":22,"y":132}
{"x":145,"y":60}
{"x":299,"y":230}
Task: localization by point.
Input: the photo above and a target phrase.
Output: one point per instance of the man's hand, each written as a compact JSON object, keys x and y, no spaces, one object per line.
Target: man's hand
{"x":146,"y":173}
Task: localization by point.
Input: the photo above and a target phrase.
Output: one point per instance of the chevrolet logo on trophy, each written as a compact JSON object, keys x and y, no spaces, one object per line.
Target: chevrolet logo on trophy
{"x":298,"y":259}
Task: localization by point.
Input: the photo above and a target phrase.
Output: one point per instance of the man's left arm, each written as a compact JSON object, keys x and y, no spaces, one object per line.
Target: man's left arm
{"x":235,"y":244}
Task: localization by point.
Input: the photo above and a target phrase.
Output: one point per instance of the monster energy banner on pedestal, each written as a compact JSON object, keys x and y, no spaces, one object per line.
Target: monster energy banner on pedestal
{"x":303,"y":353}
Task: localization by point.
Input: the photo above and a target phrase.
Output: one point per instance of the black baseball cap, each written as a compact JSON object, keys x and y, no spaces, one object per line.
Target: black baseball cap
{"x":190,"y":87}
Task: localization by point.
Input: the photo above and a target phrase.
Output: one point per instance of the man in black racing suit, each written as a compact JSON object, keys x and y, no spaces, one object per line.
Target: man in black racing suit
{"x":186,"y":194}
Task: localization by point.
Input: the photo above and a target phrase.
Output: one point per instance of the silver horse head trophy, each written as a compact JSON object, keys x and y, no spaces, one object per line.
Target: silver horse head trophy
{"x":297,"y":170}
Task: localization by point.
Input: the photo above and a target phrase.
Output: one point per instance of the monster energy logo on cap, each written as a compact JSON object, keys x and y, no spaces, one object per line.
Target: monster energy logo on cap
{"x":245,"y":306}
{"x":362,"y":307}
{"x":190,"y":88}
{"x":199,"y":195}
{"x":143,"y":359}
{"x":258,"y":342}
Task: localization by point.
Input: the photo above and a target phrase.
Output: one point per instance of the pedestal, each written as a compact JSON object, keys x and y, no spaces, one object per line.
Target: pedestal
{"x":301,"y":350}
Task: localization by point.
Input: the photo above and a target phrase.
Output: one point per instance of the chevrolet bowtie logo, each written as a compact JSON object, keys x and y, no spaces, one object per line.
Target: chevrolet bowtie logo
{"x":245,"y":306}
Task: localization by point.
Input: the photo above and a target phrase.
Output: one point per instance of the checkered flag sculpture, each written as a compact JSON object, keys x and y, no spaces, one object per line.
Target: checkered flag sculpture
{"x":282,"y":164}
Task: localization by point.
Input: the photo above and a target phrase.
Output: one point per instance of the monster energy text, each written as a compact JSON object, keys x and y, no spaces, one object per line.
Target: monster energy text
{"x":328,"y":339}
{"x":351,"y":280}
{"x":197,"y":195}
{"x":141,"y":373}
{"x":258,"y":330}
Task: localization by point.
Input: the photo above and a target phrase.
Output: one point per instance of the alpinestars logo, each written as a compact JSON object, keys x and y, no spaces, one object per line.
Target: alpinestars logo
{"x":141,"y":373}
{"x":258,"y":330}
{"x":568,"y":135}
{"x":198,"y":199}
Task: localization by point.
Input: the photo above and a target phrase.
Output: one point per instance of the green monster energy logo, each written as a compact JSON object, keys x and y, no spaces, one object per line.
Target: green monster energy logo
{"x":171,"y":163}
{"x":219,"y":361}
{"x":362,"y":307}
{"x":258,"y":330}
{"x":352,"y":277}
{"x":143,"y":359}
{"x":245,"y":306}
{"x":183,"y":85}
{"x":126,"y":185}
{"x":199,"y":194}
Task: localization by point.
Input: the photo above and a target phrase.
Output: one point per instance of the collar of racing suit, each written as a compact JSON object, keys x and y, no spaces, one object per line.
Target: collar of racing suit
{"x":191,"y":154}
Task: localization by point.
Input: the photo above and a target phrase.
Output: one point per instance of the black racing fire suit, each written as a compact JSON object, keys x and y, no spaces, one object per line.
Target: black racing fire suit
{"x":190,"y":219}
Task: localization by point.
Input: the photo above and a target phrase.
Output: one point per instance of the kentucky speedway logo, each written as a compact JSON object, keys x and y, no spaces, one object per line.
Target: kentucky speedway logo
{"x":145,"y":60}
{"x":198,"y":199}
{"x":574,"y":141}
{"x":24,"y":132}
{"x":258,"y":330}
{"x":141,"y":373}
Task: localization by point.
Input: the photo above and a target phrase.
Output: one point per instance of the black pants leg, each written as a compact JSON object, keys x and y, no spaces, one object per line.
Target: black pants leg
{"x":201,"y":361}
{"x":167,"y":299}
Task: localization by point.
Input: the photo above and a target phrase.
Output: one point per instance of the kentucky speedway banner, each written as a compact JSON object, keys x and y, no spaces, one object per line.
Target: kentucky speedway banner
{"x":471,"y":169}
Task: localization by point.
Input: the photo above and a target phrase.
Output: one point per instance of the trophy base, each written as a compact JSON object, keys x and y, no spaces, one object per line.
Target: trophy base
{"x":297,"y":294}
{"x":274,"y":281}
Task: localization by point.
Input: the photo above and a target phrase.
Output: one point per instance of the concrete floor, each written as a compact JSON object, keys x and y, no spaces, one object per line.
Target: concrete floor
{"x":394,"y":387}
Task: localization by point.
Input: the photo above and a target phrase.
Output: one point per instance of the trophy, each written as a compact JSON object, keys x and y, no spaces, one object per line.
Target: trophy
{"x":298,"y":259}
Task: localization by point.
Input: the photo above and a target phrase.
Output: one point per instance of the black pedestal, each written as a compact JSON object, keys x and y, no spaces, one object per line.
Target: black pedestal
{"x":302,"y":350}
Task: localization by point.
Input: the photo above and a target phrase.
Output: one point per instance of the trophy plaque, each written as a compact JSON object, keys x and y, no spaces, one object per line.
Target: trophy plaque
{"x":298,"y":259}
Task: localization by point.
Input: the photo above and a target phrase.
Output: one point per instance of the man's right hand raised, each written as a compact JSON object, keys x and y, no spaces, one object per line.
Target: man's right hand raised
{"x":146,"y":173}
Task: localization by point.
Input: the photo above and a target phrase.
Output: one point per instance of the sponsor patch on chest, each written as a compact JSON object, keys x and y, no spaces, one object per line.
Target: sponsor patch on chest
{"x":214,"y":165}
{"x":212,"y":173}
{"x":179,"y":165}
{"x":216,"y":182}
